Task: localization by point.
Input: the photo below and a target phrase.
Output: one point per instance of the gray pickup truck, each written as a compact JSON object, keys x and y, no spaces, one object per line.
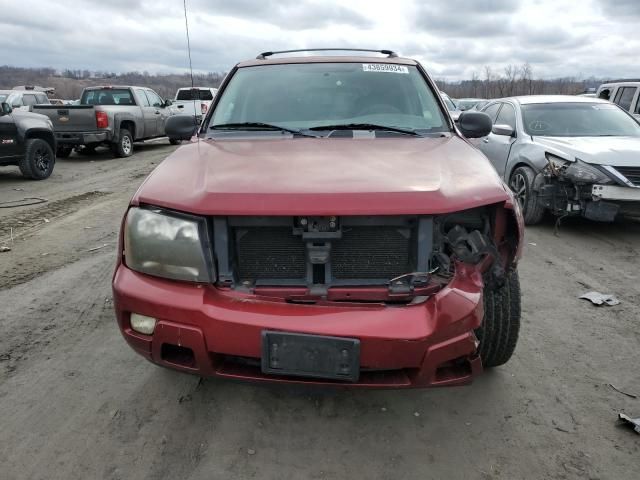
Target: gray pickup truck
{"x":116,"y":116}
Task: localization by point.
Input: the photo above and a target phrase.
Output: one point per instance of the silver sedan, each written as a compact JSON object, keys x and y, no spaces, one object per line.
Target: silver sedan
{"x":567,"y":155}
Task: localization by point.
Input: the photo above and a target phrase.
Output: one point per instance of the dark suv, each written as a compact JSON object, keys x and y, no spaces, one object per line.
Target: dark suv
{"x":328,"y":223}
{"x":27,"y":140}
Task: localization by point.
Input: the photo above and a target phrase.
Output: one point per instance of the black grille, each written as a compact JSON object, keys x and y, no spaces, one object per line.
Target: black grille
{"x":269,"y":253}
{"x":371,"y":252}
{"x":632,"y":174}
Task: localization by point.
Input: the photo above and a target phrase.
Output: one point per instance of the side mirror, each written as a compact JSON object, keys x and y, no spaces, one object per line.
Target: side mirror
{"x":6,"y":108}
{"x":505,"y":130}
{"x":167,"y":102}
{"x":180,"y":127}
{"x":474,"y":124}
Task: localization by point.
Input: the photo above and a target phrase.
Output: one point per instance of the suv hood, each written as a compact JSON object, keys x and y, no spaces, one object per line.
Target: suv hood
{"x":324,"y":176}
{"x":616,"y":151}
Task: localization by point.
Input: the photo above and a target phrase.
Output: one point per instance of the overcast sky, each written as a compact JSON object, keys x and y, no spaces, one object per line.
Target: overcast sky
{"x":452,"y":38}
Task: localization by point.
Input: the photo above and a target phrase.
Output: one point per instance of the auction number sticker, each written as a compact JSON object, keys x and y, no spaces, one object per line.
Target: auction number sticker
{"x":384,"y":67}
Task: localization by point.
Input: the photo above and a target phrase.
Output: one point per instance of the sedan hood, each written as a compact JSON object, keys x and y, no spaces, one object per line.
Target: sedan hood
{"x":324,"y":176}
{"x":616,"y":151}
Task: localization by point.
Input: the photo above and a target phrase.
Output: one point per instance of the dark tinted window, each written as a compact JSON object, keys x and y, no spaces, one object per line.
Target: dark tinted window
{"x":624,"y":96}
{"x":195,"y":94}
{"x":578,"y":120}
{"x":107,"y":96}
{"x":316,"y":94}
{"x":492,"y":111}
{"x":507,"y":116}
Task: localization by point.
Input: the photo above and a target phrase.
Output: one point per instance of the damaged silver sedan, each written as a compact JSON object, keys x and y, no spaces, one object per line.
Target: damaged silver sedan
{"x":568,"y":155}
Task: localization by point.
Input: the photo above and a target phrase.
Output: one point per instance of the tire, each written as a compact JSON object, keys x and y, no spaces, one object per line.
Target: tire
{"x":38,"y":160}
{"x":63,"y":152}
{"x":521,"y":184}
{"x":498,"y":333}
{"x":124,"y":146}
{"x":175,"y":141}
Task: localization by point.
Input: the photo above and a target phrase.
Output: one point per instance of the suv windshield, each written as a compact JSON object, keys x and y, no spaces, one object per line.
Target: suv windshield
{"x":302,"y":96}
{"x":107,"y":96}
{"x":578,"y":120}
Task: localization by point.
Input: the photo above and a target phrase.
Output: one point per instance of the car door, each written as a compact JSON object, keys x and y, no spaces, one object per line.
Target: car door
{"x":161,"y":112}
{"x":624,"y":97}
{"x":9,"y":145}
{"x":497,"y":147}
{"x":148,"y":114}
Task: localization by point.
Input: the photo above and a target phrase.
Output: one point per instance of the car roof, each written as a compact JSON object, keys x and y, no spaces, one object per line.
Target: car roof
{"x":327,"y":59}
{"x":531,"y":99}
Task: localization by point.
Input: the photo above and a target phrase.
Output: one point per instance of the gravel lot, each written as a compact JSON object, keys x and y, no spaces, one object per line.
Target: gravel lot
{"x":76,"y":401}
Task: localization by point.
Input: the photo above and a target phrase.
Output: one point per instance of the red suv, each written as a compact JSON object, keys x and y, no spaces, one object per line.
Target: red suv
{"x":329,"y":224}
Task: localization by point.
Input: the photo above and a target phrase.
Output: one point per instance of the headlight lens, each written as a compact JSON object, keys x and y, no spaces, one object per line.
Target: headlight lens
{"x":165,"y":246}
{"x":581,"y":172}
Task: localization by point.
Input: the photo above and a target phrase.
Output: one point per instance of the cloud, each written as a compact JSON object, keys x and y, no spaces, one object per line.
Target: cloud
{"x":452,"y":38}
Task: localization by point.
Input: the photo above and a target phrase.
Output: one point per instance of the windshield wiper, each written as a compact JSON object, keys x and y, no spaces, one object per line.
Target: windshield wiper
{"x":365,"y":126}
{"x":258,"y":126}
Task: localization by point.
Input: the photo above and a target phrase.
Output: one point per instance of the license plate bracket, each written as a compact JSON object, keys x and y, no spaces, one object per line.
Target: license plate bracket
{"x":316,"y":356}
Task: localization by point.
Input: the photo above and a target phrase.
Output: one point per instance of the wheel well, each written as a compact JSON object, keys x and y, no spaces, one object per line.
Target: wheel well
{"x":518,"y":165}
{"x":129,"y":125}
{"x":44,"y":135}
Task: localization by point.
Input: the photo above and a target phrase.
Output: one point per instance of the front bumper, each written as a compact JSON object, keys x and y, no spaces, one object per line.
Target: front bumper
{"x":81,"y":138}
{"x":427,"y":344}
{"x":614,"y":192}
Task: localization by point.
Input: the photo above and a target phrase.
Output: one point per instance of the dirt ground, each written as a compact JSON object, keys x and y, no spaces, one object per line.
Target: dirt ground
{"x":77,"y":403}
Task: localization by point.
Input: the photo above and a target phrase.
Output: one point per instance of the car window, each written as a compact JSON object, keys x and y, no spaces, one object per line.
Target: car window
{"x":637,"y":110}
{"x":194,"y":94}
{"x":154,"y":99}
{"x":507,"y":116}
{"x":624,"y":96}
{"x":107,"y":96}
{"x":142,"y":97}
{"x":41,"y":99}
{"x":29,"y":99}
{"x":492,"y":111}
{"x":317,"y":94}
{"x":578,"y":120}
{"x":3,"y":97}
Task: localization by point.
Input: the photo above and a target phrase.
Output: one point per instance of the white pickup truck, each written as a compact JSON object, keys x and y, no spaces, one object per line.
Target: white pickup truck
{"x":193,"y":101}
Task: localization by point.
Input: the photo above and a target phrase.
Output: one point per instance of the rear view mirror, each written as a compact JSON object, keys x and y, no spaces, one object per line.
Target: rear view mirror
{"x":474,"y":124}
{"x":505,"y":130}
{"x":6,"y":108}
{"x":181,"y":127}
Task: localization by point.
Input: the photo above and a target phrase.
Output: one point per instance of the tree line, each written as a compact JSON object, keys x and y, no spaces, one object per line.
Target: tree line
{"x":69,"y":83}
{"x":514,"y":80}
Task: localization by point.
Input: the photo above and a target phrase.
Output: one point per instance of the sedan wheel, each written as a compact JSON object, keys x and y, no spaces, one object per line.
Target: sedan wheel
{"x":521,"y":184}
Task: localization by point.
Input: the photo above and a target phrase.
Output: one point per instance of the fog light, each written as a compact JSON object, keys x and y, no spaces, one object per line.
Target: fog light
{"x":142,"y":323}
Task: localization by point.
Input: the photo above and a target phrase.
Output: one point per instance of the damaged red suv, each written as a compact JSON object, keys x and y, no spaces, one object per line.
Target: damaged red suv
{"x":327,"y":223}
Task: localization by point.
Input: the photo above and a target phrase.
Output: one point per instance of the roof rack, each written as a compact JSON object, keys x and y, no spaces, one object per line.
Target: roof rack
{"x":389,"y":53}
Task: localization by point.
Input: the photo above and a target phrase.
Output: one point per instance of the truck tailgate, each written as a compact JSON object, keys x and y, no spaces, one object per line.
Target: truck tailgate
{"x":69,"y":118}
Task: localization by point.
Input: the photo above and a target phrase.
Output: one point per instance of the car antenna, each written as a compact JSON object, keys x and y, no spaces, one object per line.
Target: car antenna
{"x":186,"y":24}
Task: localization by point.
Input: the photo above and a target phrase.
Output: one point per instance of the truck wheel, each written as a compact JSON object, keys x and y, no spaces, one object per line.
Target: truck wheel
{"x":175,"y":141}
{"x":124,"y":146}
{"x":498,"y":333}
{"x":521,"y":183}
{"x":63,"y":152}
{"x":38,"y":160}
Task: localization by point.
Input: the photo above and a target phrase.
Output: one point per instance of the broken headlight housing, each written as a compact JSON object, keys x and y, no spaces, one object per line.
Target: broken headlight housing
{"x":581,"y":172}
{"x":166,"y":245}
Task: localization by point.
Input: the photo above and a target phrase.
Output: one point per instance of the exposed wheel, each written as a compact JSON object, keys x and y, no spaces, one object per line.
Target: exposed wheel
{"x":175,"y":141}
{"x":38,"y":160}
{"x":498,"y":333}
{"x":63,"y":152}
{"x":124,"y":146}
{"x":521,"y":183}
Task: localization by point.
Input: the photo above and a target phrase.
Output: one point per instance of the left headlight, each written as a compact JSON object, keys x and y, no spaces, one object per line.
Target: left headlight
{"x":165,"y":245}
{"x":581,"y":172}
